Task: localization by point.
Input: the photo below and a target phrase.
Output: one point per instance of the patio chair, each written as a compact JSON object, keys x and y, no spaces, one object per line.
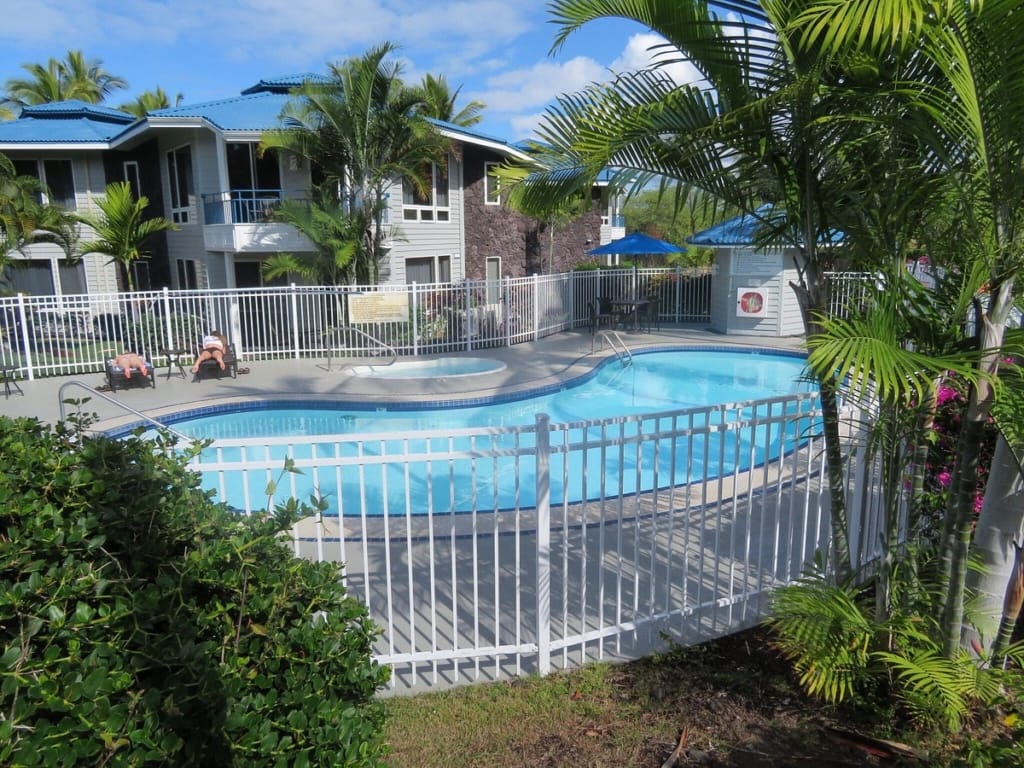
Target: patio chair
{"x":118,"y":376}
{"x":652,"y":313}
{"x":596,"y":318}
{"x":212,"y":367}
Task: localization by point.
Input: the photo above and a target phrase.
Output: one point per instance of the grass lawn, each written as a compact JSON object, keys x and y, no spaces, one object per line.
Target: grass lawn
{"x":732,"y":702}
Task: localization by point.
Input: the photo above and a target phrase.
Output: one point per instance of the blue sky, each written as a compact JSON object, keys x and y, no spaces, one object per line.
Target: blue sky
{"x":209,"y":49}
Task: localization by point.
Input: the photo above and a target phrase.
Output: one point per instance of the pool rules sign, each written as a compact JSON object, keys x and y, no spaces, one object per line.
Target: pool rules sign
{"x":378,"y":308}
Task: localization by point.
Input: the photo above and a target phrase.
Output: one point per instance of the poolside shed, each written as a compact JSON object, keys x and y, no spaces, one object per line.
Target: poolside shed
{"x":750,"y":291}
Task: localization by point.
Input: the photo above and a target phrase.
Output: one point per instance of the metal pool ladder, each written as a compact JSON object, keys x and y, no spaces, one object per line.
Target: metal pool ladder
{"x":618,"y":346}
{"x":346,"y":332}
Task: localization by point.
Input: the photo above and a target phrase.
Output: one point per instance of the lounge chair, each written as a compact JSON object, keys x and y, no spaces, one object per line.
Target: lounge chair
{"x":211,"y":366}
{"x":119,"y":377}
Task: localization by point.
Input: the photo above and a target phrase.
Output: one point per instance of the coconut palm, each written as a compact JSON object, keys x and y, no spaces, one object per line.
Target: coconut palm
{"x":73,"y":78}
{"x":121,"y":231}
{"x":149,"y":101}
{"x":439,"y":103}
{"x":362,"y":131}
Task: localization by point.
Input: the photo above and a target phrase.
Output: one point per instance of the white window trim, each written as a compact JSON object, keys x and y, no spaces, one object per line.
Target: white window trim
{"x":438,"y":213}
{"x":181,"y":214}
{"x":490,"y":180}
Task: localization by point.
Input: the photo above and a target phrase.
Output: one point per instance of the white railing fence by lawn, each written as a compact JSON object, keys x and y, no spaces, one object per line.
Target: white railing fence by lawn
{"x":71,"y":334}
{"x":479,"y":565}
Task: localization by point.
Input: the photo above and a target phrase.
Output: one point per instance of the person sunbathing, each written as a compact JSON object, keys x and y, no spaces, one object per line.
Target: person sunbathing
{"x":214,"y":346}
{"x":128,"y":361}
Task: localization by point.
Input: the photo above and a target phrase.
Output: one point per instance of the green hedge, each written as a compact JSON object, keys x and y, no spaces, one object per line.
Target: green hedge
{"x":143,"y":624}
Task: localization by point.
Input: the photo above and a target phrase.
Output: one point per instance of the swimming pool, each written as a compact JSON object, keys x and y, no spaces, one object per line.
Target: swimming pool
{"x":459,"y":459}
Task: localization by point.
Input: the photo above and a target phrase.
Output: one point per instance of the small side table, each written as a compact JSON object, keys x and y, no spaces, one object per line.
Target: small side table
{"x":7,"y":373}
{"x":174,"y":360}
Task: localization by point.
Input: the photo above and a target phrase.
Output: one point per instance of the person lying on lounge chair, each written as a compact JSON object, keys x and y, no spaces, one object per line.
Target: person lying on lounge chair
{"x":214,"y":346}
{"x":129,"y":361}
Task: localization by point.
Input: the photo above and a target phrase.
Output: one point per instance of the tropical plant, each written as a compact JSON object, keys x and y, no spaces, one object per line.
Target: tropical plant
{"x":25,"y":220}
{"x":336,"y":237}
{"x":121,"y":231}
{"x":757,"y":127}
{"x":74,"y":77}
{"x":144,"y":624}
{"x":361,"y":131}
{"x":661,"y":214}
{"x":975,"y":101}
{"x":840,"y":652}
{"x":149,"y":101}
{"x":439,"y":102}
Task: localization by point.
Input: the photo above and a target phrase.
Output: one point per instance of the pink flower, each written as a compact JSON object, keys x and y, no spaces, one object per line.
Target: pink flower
{"x":979,"y":502}
{"x":945,"y":394}
{"x":944,"y":478}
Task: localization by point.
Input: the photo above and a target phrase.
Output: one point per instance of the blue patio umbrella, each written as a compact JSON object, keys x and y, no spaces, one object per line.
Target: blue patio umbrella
{"x":635,"y":244}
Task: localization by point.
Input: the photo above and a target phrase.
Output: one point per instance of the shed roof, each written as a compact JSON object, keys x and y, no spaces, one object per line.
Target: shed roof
{"x":741,"y":230}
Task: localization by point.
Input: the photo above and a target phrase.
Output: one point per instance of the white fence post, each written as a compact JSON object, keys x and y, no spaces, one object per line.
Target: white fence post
{"x":543,"y":583}
{"x":294,"y":306}
{"x":168,"y":330}
{"x":23,"y":316}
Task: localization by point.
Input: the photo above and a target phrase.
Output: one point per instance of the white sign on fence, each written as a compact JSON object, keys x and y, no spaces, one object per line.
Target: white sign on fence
{"x":378,"y":308}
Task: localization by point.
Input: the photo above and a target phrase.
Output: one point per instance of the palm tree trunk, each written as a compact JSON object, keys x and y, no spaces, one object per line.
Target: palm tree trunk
{"x":812,"y":304}
{"x":997,"y":542}
{"x":958,"y":526}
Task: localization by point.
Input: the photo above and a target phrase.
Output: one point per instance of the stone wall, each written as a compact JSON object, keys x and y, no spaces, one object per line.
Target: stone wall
{"x":523,"y":244}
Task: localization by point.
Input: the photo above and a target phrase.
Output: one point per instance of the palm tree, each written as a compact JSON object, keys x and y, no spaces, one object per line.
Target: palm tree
{"x":121,"y":231}
{"x":25,"y":220}
{"x":19,"y":209}
{"x":73,"y":78}
{"x":149,"y":101}
{"x":977,"y":109}
{"x":362,"y":131}
{"x":757,"y":128}
{"x":439,"y":103}
{"x":335,"y":235}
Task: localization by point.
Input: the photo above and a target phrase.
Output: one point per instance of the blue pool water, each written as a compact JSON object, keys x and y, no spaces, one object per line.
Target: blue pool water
{"x":374,"y":458}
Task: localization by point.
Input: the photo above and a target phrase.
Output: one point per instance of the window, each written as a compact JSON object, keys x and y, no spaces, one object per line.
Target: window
{"x":493,"y":279}
{"x":130,"y":172}
{"x":492,"y":184}
{"x":429,"y":204}
{"x":187,"y":274}
{"x":428,"y":269}
{"x":179,"y":175}
{"x":56,"y":178}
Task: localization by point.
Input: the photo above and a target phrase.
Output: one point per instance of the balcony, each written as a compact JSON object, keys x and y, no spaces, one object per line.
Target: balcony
{"x":239,"y":221}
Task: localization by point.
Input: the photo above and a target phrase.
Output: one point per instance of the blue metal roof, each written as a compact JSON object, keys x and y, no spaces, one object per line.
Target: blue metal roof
{"x":286,"y":83}
{"x":741,"y":230}
{"x":258,"y":111}
{"x":63,"y":122}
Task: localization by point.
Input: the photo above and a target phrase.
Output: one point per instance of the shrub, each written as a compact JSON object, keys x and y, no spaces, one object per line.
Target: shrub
{"x":143,"y":624}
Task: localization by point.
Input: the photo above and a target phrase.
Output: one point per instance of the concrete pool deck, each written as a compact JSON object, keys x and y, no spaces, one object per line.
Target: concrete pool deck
{"x":532,"y":365}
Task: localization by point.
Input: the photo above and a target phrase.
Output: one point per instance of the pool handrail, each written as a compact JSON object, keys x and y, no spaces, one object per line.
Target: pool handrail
{"x":119,"y":404}
{"x":329,"y":334}
{"x":619,"y":347}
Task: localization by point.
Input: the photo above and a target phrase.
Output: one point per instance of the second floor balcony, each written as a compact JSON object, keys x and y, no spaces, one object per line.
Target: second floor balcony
{"x":240,"y":220}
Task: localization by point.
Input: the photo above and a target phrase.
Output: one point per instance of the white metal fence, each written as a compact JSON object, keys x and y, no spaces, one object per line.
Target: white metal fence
{"x":478,"y":566}
{"x":70,"y":334}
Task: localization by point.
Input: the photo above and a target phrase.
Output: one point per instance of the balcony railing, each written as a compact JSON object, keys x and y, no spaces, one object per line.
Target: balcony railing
{"x":243,"y":206}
